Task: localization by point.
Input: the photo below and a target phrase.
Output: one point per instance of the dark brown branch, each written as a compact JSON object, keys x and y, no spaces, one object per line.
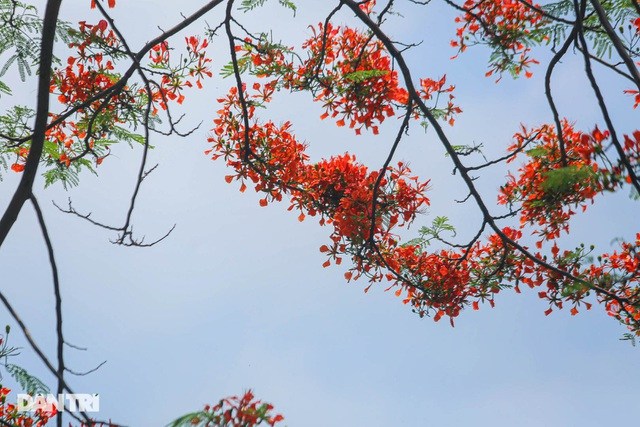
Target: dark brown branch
{"x":82,"y":374}
{"x":23,"y":192}
{"x":236,"y":73}
{"x":72,"y":210}
{"x":248,"y":155}
{"x":505,"y":157}
{"x":547,"y":87}
{"x":617,"y":43}
{"x":546,"y":14}
{"x":605,"y":112}
{"x":126,"y":234}
{"x":612,"y":67}
{"x":58,"y":299}
{"x":383,"y":170}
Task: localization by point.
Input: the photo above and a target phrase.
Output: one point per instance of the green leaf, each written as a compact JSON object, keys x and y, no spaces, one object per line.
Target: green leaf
{"x":5,"y":89}
{"x":629,"y":337}
{"x":18,"y":22}
{"x":562,"y":180}
{"x":28,"y":382}
{"x":359,"y":76}
{"x":248,"y":5}
{"x":126,"y":135}
{"x":439,"y":225}
{"x":537,"y":152}
{"x":228,"y":70}
{"x":289,"y":5}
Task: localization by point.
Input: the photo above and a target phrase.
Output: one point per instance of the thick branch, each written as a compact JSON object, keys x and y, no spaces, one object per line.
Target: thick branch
{"x":23,"y":192}
{"x":617,"y":43}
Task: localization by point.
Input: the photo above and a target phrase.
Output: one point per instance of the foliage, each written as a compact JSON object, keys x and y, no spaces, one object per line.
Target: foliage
{"x":20,"y":27}
{"x":233,"y":411}
{"x":105,"y":94}
{"x":28,"y":382}
{"x":248,"y":5}
{"x":9,"y":413}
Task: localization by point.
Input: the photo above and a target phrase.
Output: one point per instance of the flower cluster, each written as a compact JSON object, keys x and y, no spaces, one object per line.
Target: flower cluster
{"x":236,"y":411}
{"x":553,"y":182}
{"x":346,"y":70}
{"x":506,"y":26}
{"x":563,"y":174}
{"x":87,"y":74}
{"x":104,"y":110}
{"x":9,"y":414}
{"x":351,"y":74}
{"x":339,"y":190}
{"x":174,"y":78}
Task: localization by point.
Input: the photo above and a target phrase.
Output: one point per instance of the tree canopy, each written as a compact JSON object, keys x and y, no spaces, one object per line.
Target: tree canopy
{"x":96,"y":90}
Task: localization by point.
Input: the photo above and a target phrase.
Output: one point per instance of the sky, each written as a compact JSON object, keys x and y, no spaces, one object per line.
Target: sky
{"x":237,"y":297}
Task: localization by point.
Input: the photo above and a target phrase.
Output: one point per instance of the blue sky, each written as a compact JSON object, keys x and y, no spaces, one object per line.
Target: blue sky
{"x":237,"y":298}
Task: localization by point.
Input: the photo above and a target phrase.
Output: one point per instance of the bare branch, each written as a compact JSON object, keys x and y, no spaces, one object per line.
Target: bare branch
{"x":82,"y":374}
{"x":58,"y":298}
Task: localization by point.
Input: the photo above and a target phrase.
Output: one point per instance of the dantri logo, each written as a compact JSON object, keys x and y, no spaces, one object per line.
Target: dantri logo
{"x":77,"y":402}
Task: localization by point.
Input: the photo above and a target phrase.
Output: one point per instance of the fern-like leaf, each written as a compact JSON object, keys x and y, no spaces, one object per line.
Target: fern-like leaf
{"x":28,"y":382}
